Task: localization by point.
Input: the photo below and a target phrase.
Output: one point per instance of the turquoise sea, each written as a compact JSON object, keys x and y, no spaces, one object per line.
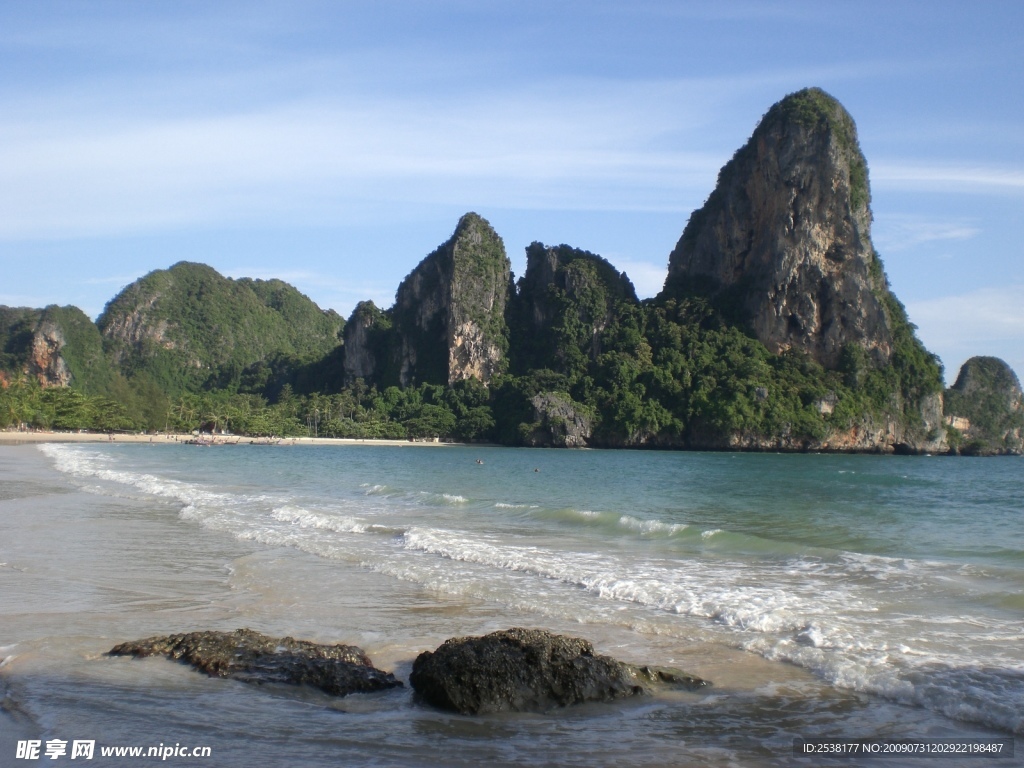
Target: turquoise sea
{"x":824,"y":596}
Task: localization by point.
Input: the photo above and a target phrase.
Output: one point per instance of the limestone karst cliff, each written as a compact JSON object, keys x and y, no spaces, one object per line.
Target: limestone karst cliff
{"x":562,"y":305}
{"x":366,"y":342}
{"x":783,"y":248}
{"x":985,"y":408}
{"x":55,"y":346}
{"x":449,"y":313}
{"x":784,"y":240}
{"x":776,"y":330}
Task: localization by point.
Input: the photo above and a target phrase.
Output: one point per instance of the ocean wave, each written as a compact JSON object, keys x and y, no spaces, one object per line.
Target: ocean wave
{"x":815,"y":621}
{"x":304,"y":518}
{"x":852,"y":619}
{"x":652,"y":527}
{"x":682,"y":587}
{"x":987,"y":695}
{"x":614,"y":522}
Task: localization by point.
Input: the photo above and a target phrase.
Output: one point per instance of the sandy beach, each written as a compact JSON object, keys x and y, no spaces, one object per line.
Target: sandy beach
{"x":10,"y":437}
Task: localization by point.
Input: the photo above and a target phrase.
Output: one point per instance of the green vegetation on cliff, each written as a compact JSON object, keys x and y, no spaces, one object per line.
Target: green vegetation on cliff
{"x":814,"y":109}
{"x":17,"y":326}
{"x":190,"y":328}
{"x":561,"y":307}
{"x":987,"y":402}
{"x":776,"y":330}
{"x":33,"y":341}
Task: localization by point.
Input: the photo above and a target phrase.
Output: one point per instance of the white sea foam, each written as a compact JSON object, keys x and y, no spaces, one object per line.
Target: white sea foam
{"x":692,"y":588}
{"x":304,"y":518}
{"x":815,"y":622}
{"x":869,"y":623}
{"x":652,"y":526}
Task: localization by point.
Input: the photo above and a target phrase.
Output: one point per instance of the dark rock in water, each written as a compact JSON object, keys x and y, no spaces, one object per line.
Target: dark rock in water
{"x":529,"y":670}
{"x":256,"y":658}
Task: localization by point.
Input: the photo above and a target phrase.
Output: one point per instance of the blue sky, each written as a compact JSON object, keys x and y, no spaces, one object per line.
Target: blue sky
{"x":335,"y":144}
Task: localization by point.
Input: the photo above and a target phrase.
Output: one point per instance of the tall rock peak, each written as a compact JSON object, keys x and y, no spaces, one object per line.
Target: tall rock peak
{"x":562,"y":305}
{"x":449,"y":313}
{"x":784,"y":240}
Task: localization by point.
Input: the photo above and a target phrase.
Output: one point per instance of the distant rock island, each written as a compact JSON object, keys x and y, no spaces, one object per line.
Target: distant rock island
{"x":775,"y":330}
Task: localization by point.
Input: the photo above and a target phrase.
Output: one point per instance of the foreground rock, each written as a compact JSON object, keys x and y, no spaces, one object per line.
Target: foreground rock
{"x":529,"y":670}
{"x":256,"y":658}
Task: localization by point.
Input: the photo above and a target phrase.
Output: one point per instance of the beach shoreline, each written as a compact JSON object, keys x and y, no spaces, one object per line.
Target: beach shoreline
{"x":137,"y":543}
{"x":10,"y":437}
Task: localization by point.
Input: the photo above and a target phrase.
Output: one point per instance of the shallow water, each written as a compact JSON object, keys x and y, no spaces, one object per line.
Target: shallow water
{"x":825,"y":596}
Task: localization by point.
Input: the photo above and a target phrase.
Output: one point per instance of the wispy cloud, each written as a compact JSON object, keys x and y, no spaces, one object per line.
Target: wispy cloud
{"x":987,"y":313}
{"x":894,"y":232}
{"x":308,"y":162}
{"x":988,"y":321}
{"x":945,"y":178}
{"x":303,"y":140}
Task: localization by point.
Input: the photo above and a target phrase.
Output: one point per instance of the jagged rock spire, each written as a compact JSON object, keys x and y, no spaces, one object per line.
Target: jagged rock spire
{"x":784,"y":241}
{"x":449,"y":313}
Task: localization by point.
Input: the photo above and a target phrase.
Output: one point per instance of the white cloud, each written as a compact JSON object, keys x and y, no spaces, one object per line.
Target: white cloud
{"x":156,"y":152}
{"x":648,"y":278}
{"x":902,"y":232}
{"x":987,"y":313}
{"x":307,"y":163}
{"x":946,"y":178}
{"x":988,"y":321}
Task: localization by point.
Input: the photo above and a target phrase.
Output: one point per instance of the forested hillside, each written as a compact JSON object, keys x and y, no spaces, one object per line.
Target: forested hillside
{"x":776,"y":330}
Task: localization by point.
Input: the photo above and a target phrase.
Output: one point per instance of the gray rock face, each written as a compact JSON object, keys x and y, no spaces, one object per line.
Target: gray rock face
{"x":558,"y":422}
{"x":449,"y":313}
{"x":784,"y":240}
{"x":256,"y":658}
{"x":529,"y":670}
{"x":46,"y":363}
